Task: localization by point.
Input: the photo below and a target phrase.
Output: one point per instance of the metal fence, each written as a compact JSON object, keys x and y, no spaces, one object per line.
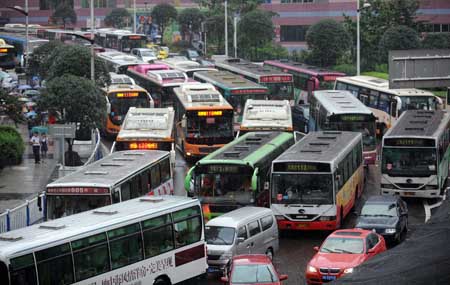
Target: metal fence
{"x":29,"y":213}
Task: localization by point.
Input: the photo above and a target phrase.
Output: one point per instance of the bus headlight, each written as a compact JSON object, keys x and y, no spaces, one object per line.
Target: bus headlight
{"x":348,"y":270}
{"x":430,"y":187}
{"x":327,"y":218}
{"x":387,"y":186}
{"x":280,"y":217}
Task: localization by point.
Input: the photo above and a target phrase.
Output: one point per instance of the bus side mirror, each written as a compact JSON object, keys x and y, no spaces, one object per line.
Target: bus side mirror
{"x":108,"y":107}
{"x":39,"y":203}
{"x":255,"y":179}
{"x":183,"y":123}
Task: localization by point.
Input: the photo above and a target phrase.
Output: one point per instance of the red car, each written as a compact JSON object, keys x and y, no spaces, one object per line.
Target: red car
{"x":341,"y":252}
{"x":252,"y":269}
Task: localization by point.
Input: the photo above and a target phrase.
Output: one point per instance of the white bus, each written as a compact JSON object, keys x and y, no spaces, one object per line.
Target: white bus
{"x":387,"y":104}
{"x":149,"y":240}
{"x":118,"y":177}
{"x":339,"y":110}
{"x":185,"y":65}
{"x":121,"y":79}
{"x":415,"y":155}
{"x":266,"y":115}
{"x":118,"y":62}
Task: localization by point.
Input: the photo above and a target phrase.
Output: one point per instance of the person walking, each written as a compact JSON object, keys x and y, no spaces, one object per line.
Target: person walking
{"x":36,"y":144}
{"x":44,"y":146}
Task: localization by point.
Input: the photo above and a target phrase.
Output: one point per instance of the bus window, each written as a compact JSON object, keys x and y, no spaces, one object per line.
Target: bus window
{"x":155,"y":176}
{"x":384,"y":103}
{"x":165,"y":170}
{"x":135,"y":187}
{"x":143,"y":187}
{"x":91,"y":256}
{"x":188,"y":226}
{"x":125,"y":245}
{"x":125,"y":188}
{"x":22,"y":270}
{"x":158,"y":235}
{"x":373,"y":99}
{"x":55,"y":265}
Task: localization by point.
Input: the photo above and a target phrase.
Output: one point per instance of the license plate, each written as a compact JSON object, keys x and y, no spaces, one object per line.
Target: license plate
{"x":328,"y":277}
{"x":301,"y":217}
{"x":409,"y":193}
{"x":302,"y":226}
{"x":213,"y":269}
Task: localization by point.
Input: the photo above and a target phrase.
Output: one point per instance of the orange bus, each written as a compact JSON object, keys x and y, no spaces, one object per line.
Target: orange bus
{"x":204,"y":119}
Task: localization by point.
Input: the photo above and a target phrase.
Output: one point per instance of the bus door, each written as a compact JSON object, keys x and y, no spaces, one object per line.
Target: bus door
{"x":311,"y":84}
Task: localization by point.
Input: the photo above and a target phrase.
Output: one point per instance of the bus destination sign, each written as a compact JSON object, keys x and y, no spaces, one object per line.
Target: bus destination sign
{"x":222,"y":168}
{"x":301,"y":167}
{"x":209,"y":113}
{"x":248,"y":91}
{"x":127,"y":94}
{"x":143,"y":145}
{"x":413,"y":142}
{"x":353,"y":118}
{"x":77,"y":190}
{"x":275,"y":78}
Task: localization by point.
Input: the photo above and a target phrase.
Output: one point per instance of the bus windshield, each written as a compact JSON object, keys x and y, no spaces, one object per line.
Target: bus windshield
{"x":122,"y":101}
{"x":418,"y":103}
{"x":367,"y":129}
{"x":199,"y":128}
{"x":280,"y":91}
{"x":409,"y":162}
{"x":302,"y":189}
{"x":66,"y":205}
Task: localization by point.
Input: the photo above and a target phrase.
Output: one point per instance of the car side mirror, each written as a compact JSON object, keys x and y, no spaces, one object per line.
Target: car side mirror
{"x":283,"y":277}
{"x":316,"y":248}
{"x":224,"y":279}
{"x":240,"y":240}
{"x":371,"y":250}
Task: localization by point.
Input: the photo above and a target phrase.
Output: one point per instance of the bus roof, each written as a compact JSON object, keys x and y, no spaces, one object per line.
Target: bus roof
{"x":168,"y":78}
{"x":142,"y":123}
{"x":338,"y":102}
{"x":267,"y":114}
{"x":228,"y":80}
{"x":420,"y":123}
{"x":248,"y":149}
{"x":382,"y":85}
{"x":184,"y":64}
{"x":110,"y":170}
{"x":248,"y":68}
{"x":116,"y":32}
{"x":119,"y":58}
{"x":121,"y":79}
{"x":145,"y":67}
{"x":323,"y":146}
{"x":291,"y":65}
{"x":123,"y":88}
{"x":200,"y":95}
{"x":25,"y":240}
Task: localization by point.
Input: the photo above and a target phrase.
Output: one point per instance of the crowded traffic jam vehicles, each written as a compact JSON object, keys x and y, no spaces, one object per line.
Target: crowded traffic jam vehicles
{"x":185,"y":65}
{"x":118,"y":62}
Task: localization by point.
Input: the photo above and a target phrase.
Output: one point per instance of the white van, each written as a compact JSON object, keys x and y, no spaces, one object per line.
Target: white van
{"x":242,"y":231}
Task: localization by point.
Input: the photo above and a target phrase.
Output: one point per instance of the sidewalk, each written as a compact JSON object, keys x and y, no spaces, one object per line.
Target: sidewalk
{"x":21,"y":182}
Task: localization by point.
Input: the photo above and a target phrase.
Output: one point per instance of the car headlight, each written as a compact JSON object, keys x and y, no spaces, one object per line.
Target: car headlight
{"x":312,"y":269}
{"x":390,"y":231}
{"x":226,"y":256}
{"x":348,"y":270}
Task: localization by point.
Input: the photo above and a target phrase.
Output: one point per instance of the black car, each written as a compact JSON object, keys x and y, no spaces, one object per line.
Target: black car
{"x":387,"y":215}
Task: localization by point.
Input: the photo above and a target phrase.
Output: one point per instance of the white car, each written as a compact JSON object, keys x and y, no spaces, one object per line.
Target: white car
{"x":144,"y":54}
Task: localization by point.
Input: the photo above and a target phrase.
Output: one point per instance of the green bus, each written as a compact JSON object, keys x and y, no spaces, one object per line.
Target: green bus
{"x":235,"y":89}
{"x":237,"y":174}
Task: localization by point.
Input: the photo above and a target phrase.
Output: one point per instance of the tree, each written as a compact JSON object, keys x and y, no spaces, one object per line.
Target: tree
{"x":398,"y":38}
{"x":215,"y":27}
{"x":78,"y":100}
{"x":118,"y":18}
{"x":64,"y":14}
{"x":327,"y":40}
{"x":41,"y":59}
{"x":11,"y":107}
{"x":255,"y":29}
{"x":75,"y":60}
{"x":436,"y":41}
{"x":190,"y":20}
{"x":241,"y":6}
{"x":163,"y":15}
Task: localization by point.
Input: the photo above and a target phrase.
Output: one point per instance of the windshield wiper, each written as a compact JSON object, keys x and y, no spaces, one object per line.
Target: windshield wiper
{"x":383,"y":215}
{"x":342,"y":250}
{"x":326,"y":249}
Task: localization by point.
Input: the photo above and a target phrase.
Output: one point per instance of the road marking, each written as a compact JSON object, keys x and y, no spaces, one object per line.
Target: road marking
{"x":428,"y":207}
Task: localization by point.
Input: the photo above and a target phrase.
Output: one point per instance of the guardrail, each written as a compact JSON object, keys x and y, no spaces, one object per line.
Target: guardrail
{"x":97,"y":153}
{"x":23,"y":215}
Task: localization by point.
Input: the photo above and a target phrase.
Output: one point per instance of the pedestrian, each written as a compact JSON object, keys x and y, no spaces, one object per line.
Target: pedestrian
{"x":44,"y":145}
{"x":35,"y":142}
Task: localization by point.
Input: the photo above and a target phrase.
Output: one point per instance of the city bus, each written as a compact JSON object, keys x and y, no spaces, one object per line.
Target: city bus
{"x":118,"y":177}
{"x":415,"y":155}
{"x":119,"y":98}
{"x":316,"y":182}
{"x":118,"y":62}
{"x":307,"y":78}
{"x":18,"y":42}
{"x":120,"y":40}
{"x":339,"y":110}
{"x":7,"y":55}
{"x":266,"y":115}
{"x":387,"y":104}
{"x":237,"y":174}
{"x":203,"y":118}
{"x":147,"y":128}
{"x":235,"y":89}
{"x":280,"y":84}
{"x":160,"y":81}
{"x":151,"y":240}
{"x":185,"y":65}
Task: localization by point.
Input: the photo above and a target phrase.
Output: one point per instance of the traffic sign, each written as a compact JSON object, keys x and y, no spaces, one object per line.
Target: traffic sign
{"x":63,"y":130}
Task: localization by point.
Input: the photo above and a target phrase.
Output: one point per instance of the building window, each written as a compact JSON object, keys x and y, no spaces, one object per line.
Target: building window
{"x":293,"y":33}
{"x":99,"y":3}
{"x":296,"y":1}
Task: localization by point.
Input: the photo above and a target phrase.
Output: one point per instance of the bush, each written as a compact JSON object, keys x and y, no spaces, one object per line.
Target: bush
{"x":436,"y":41}
{"x":349,"y":69}
{"x":11,"y":146}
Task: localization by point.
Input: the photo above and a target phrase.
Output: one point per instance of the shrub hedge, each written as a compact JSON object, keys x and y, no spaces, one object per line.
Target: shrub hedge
{"x":11,"y":146}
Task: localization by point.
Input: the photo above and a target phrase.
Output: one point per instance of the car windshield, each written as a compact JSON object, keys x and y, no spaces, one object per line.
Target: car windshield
{"x":148,"y":53}
{"x":409,"y":162}
{"x":193,"y":53}
{"x":379,"y":210}
{"x":260,"y":273}
{"x":219,"y":235}
{"x":343,"y":245}
{"x":302,"y":189}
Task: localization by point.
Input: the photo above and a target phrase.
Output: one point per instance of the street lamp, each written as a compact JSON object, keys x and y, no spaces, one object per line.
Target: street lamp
{"x":226,"y":28}
{"x":25,"y":13}
{"x":91,"y":41}
{"x":235,"y":20}
{"x":134,"y":16}
{"x":358,"y":40}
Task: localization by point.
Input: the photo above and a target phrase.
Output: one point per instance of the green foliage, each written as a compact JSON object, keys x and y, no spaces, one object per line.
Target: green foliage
{"x":255,"y":30}
{"x":376,"y":74}
{"x":215,"y":27}
{"x":242,"y":6}
{"x":327,"y":40}
{"x":41,"y":59}
{"x":268,"y":52}
{"x":190,"y":21}
{"x":436,"y":41}
{"x":349,"y":69}
{"x":11,"y":146}
{"x":163,"y":15}
{"x":64,"y":14}
{"x":398,"y":38}
{"x":118,"y":18}
{"x":11,"y":106}
{"x":76,"y":60}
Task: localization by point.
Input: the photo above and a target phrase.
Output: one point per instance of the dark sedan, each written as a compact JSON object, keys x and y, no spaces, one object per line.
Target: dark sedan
{"x":387,"y":215}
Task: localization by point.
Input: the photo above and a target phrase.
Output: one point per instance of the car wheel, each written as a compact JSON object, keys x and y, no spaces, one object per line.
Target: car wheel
{"x":269,"y":253}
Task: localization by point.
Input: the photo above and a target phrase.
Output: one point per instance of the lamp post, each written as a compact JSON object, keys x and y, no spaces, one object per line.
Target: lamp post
{"x":92,"y":42}
{"x":25,"y":13}
{"x":235,"y":20}
{"x":358,"y":37}
{"x":226,"y":28}
{"x":134,"y":16}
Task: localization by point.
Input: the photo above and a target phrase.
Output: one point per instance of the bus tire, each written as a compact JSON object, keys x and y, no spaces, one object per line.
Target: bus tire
{"x":162,"y":280}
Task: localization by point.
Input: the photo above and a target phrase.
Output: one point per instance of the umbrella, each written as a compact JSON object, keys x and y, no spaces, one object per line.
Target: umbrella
{"x":30,"y":104}
{"x":39,"y":129}
{"x":31,"y":92}
{"x":24,"y":99}
{"x":24,"y":87}
{"x":31,"y":114}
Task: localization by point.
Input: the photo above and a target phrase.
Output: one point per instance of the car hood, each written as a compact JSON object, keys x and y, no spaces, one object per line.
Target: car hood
{"x":149,"y":58}
{"x":376,"y":222}
{"x":337,"y":260}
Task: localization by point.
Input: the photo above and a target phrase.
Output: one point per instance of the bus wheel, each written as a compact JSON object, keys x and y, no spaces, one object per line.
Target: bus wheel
{"x":162,"y":281}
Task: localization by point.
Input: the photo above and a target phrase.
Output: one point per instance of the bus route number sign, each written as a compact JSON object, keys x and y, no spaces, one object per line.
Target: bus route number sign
{"x":352,"y":118}
{"x":301,"y":167}
{"x":223,"y":169}
{"x":209,"y":113}
{"x":409,"y":142}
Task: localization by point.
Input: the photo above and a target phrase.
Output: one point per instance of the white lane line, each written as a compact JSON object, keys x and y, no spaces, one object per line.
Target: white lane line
{"x":427,"y":208}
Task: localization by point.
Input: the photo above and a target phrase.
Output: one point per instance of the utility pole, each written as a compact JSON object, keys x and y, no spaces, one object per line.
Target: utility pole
{"x":92,"y":42}
{"x":235,"y":36}
{"x":134,"y":16}
{"x":226,"y":28}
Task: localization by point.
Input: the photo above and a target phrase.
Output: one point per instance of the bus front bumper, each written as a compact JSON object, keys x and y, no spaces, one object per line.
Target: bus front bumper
{"x":306,"y":226}
{"x":411,"y":193}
